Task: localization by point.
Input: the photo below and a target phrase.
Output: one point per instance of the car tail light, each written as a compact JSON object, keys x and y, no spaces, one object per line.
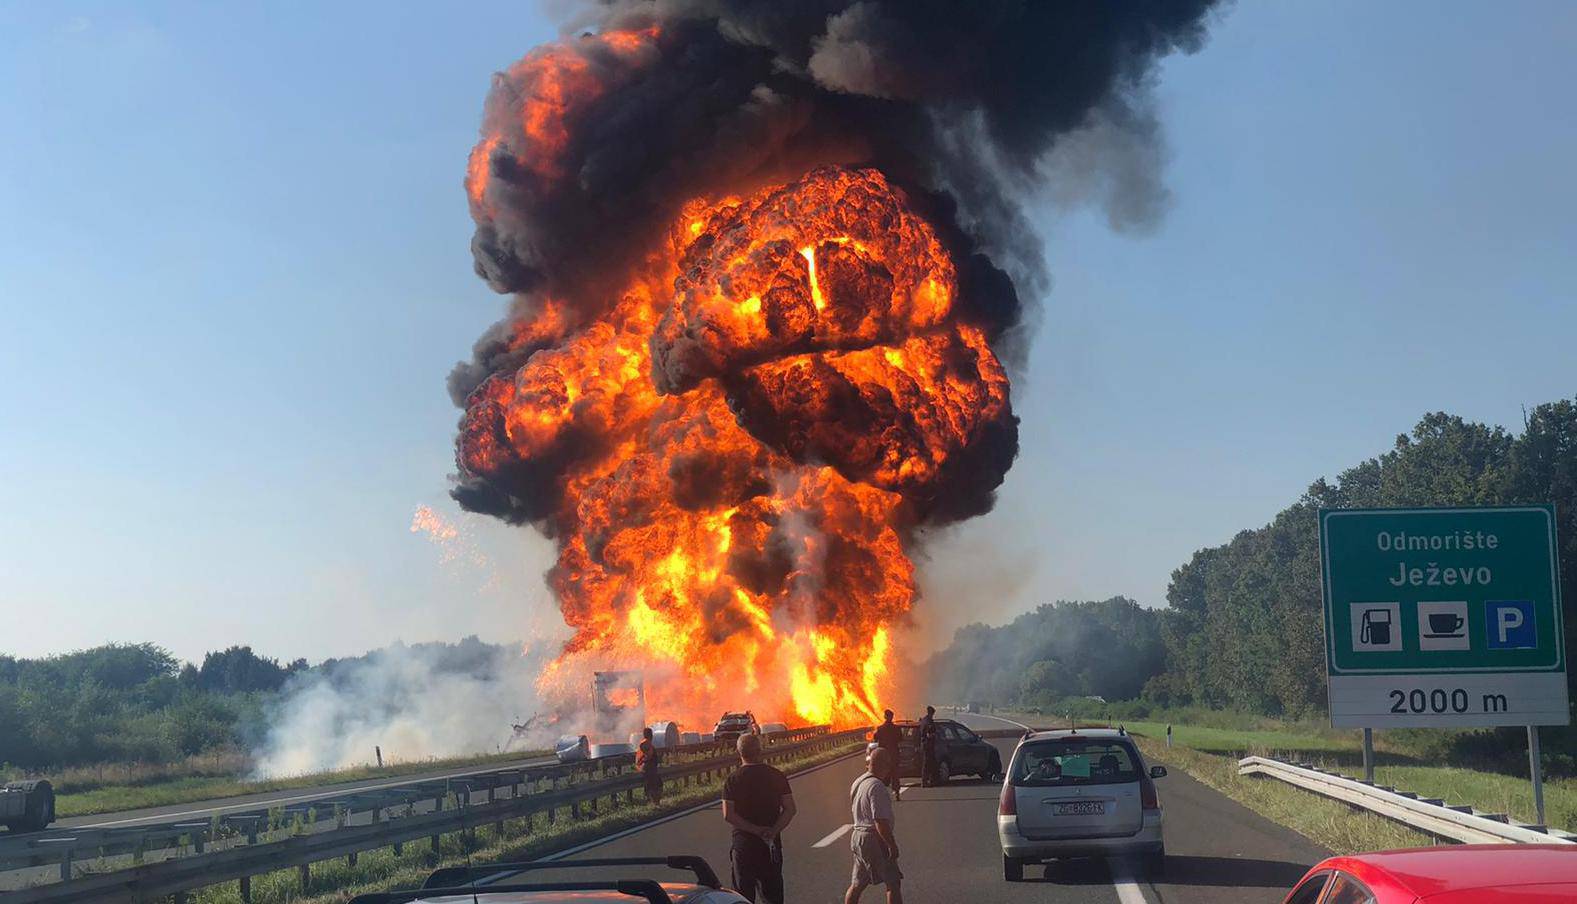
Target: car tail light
{"x":1148,"y":799}
{"x":1008,"y":806}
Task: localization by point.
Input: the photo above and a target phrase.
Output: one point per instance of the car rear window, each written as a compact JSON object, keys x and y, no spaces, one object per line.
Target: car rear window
{"x":1075,"y":761}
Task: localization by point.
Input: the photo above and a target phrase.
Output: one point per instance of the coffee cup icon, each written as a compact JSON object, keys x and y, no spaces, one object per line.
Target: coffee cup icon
{"x":1445,"y":624}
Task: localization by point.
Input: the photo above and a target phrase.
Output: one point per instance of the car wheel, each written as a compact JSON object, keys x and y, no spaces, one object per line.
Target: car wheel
{"x":1012,"y":869}
{"x":942,"y":773}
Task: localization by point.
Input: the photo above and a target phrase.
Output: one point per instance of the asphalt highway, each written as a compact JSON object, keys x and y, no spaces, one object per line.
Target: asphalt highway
{"x":1218,"y":851}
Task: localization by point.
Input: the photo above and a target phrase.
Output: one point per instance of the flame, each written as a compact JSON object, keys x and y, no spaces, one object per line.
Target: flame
{"x":555,"y":85}
{"x":739,"y":445}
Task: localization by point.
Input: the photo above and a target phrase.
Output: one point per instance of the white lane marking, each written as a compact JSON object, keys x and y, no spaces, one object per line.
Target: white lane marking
{"x":999,"y":719}
{"x":1127,"y":887}
{"x":315,"y":795}
{"x":834,"y":835}
{"x":681,"y":814}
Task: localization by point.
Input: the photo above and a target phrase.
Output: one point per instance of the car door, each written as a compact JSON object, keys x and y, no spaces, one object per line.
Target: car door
{"x":962,"y":757}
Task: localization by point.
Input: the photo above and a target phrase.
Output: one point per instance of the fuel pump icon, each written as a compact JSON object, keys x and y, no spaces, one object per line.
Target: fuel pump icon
{"x":1375,"y":628}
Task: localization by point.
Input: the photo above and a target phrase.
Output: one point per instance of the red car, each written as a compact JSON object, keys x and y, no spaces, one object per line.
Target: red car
{"x":1460,"y":874}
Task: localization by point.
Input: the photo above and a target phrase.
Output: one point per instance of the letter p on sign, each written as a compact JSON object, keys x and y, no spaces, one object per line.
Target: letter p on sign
{"x":1511,"y":625}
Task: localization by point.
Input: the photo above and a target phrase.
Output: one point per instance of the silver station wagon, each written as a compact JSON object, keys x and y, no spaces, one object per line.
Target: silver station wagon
{"x":1079,"y":793}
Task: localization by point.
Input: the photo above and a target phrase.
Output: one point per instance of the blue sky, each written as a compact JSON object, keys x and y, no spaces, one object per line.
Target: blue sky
{"x":234,"y":273}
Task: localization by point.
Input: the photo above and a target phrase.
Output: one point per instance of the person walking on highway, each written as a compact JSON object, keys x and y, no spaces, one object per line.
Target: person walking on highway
{"x":759,"y":804}
{"x":928,"y":734}
{"x":887,"y":737}
{"x":647,"y":759}
{"x":873,"y":843}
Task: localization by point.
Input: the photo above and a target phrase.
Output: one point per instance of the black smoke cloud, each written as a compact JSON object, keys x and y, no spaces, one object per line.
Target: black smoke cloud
{"x":964,"y":104}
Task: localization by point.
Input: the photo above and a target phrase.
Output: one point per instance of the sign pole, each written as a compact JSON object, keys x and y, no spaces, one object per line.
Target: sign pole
{"x":1538,"y":772}
{"x":1368,"y":755}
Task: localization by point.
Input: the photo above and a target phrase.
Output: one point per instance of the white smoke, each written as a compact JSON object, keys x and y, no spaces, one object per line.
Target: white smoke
{"x":416,"y":702}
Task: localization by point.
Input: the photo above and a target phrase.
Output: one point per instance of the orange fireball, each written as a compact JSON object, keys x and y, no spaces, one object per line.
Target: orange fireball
{"x":734,"y":453}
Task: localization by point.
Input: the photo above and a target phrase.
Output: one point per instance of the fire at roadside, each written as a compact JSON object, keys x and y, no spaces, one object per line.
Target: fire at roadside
{"x":757,"y":343}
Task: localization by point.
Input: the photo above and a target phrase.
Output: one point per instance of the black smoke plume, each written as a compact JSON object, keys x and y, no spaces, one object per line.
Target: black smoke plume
{"x":961,"y":102}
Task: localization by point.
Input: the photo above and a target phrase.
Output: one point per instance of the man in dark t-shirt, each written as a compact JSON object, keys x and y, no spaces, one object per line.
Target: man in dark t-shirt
{"x":889,"y":736}
{"x":759,"y":804}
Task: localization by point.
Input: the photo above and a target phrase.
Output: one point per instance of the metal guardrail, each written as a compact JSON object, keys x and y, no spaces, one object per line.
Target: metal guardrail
{"x":1432,"y":816}
{"x":237,"y":846}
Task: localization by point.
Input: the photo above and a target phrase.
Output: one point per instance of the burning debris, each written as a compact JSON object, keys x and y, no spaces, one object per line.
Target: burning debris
{"x":756,"y":342}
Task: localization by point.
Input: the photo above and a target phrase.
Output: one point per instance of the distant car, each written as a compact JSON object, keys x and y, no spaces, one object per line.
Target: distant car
{"x":732,"y":725}
{"x":504,"y":883}
{"x":959,"y":751}
{"x":1079,"y":793}
{"x":1457,"y":874}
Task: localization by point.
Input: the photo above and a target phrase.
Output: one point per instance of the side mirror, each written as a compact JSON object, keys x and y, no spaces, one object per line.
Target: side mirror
{"x":1158,"y":772}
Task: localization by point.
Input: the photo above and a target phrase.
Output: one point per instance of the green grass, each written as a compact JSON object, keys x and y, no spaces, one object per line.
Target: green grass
{"x":1326,"y":822}
{"x":521,"y":839}
{"x":80,"y":794}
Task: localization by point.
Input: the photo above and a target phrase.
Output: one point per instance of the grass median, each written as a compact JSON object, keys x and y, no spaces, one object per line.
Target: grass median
{"x":519,"y":839}
{"x":114,"y":789}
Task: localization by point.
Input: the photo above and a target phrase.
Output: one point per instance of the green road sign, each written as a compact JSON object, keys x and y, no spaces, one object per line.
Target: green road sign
{"x":1443,"y":617}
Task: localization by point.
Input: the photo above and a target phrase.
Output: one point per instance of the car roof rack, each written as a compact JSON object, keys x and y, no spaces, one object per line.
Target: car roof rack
{"x":649,"y":889}
{"x":488,"y":874}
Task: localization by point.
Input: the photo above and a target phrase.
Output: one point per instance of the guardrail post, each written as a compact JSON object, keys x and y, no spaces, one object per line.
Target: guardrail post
{"x":246,"y":889}
{"x":304,"y":870}
{"x":1368,"y":755}
{"x":65,"y":866}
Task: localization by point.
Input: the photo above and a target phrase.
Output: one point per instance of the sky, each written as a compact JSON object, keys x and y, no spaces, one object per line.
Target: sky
{"x":234,"y":272}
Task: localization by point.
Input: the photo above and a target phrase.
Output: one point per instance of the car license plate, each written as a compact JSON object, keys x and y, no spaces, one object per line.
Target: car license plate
{"x":1080,"y":808}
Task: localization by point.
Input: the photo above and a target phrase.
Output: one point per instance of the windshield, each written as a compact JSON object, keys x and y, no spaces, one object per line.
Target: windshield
{"x":1075,"y":761}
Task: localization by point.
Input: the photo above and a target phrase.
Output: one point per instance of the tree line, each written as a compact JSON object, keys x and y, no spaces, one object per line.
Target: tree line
{"x":1244,"y":622}
{"x":137,"y":703}
{"x":1243,"y":626}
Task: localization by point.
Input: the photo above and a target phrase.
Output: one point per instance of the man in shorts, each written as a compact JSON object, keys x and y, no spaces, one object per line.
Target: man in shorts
{"x":874,"y":845}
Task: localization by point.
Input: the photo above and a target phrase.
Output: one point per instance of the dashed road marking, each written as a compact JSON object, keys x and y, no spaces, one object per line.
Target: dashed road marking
{"x":1127,"y":887}
{"x":834,"y":835}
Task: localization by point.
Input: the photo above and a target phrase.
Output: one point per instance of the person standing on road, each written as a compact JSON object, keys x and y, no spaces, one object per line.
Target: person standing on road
{"x":873,"y":843}
{"x":928,"y":733}
{"x":647,"y":759}
{"x":887,"y":737}
{"x":759,"y":804}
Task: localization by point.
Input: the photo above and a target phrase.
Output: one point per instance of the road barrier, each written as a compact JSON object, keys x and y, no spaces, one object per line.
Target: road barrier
{"x":235,"y":847}
{"x":1431,"y":816}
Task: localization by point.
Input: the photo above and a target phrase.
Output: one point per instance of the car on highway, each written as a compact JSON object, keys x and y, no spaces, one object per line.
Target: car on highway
{"x":1079,"y":793}
{"x":959,"y":751}
{"x":732,"y":725}
{"x":1457,"y":874}
{"x":506,"y":883}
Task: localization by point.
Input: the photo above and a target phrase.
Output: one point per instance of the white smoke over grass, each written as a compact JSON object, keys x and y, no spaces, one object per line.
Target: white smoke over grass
{"x":431,"y":700}
{"x":415,"y":702}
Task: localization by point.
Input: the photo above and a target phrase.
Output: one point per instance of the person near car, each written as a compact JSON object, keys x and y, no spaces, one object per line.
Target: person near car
{"x":928,"y":737}
{"x":759,"y":805}
{"x":872,"y":841}
{"x":887,"y":737}
{"x":647,"y":759}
